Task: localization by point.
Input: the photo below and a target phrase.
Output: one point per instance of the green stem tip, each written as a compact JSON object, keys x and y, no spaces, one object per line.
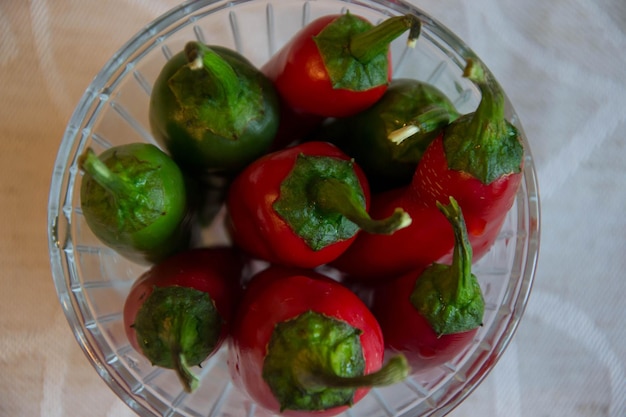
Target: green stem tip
{"x":491,"y":105}
{"x":188,"y":379}
{"x":428,"y":121}
{"x":366,"y":45}
{"x":93,"y":166}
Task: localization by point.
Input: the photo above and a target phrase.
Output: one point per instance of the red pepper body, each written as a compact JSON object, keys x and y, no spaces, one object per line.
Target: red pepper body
{"x":383,"y":257}
{"x":429,"y":238}
{"x":301,"y":78}
{"x":255,"y":225}
{"x":406,"y":330}
{"x":279,"y":294}
{"x":216,"y":271}
{"x":484,"y":205}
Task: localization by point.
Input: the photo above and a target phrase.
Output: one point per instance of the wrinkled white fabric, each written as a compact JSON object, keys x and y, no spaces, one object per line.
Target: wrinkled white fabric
{"x":562,"y":64}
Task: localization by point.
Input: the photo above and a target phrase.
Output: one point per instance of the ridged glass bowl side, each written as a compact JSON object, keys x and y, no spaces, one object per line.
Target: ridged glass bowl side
{"x":92,"y":281}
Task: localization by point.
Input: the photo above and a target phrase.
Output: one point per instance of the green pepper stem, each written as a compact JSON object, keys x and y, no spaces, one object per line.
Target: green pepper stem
{"x":490,"y":110}
{"x":491,"y":105}
{"x":484,"y":143}
{"x":226,"y":83}
{"x":395,"y":370}
{"x":462,"y":256}
{"x":366,"y":45}
{"x":175,"y":329}
{"x":449,"y":297}
{"x":333,"y":195}
{"x":189,"y":381}
{"x":98,"y":170}
{"x":178,"y":327}
{"x":428,"y":121}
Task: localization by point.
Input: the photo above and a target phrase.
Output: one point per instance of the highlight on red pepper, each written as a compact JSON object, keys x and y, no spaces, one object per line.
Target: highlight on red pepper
{"x":179,"y":312}
{"x":388,"y":139}
{"x":303,"y":206}
{"x":432,"y":315}
{"x":338,"y":65}
{"x":306,"y":345}
{"x":213,"y":110}
{"x":478,"y":160}
{"x":136,"y":201}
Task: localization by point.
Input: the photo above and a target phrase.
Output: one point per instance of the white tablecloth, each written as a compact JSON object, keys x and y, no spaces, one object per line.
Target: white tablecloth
{"x":563,"y":65}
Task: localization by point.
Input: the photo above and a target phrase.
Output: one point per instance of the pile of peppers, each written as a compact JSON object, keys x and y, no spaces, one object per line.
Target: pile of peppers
{"x":355,"y":205}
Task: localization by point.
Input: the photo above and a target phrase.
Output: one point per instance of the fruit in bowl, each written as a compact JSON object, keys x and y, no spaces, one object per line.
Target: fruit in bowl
{"x":142,"y":97}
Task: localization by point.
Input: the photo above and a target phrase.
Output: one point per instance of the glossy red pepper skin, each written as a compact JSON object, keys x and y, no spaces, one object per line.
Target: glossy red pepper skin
{"x":477,"y":160}
{"x":406,"y":330}
{"x":484,"y":205}
{"x":215,"y":271}
{"x":432,"y":314}
{"x":178,"y":313}
{"x":375,"y":258}
{"x":278,"y":294}
{"x":300,"y":76}
{"x":258,"y":229}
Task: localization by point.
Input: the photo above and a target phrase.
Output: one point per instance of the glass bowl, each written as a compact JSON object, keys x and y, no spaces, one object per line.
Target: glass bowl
{"x":92,"y":281}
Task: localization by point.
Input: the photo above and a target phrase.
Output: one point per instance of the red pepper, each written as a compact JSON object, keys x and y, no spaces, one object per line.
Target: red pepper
{"x":376,"y":258}
{"x":432,"y":315}
{"x":178,"y":312}
{"x":477,"y":160}
{"x":304,"y":344}
{"x":302,"y":206}
{"x":337,"y":65}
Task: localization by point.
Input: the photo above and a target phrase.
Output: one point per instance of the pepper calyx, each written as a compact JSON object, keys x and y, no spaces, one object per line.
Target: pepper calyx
{"x":178,"y":327}
{"x":304,"y":347}
{"x":355,"y":52}
{"x":318,"y":228}
{"x":124,"y":189}
{"x":323,"y":202}
{"x":315,"y":362}
{"x":484,"y":143}
{"x":449,"y":296}
{"x":213,"y":95}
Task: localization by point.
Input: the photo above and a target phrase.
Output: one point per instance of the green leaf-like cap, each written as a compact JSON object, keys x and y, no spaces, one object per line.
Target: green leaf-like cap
{"x":305,"y":350}
{"x":317,"y":226}
{"x":215,"y":93}
{"x":355,"y":52}
{"x":449,"y":296}
{"x":483,"y":143}
{"x":323,"y":202}
{"x":178,"y":327}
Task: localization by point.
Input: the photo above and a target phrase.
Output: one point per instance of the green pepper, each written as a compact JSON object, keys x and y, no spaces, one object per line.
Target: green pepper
{"x":388,"y":139}
{"x":213,"y":110}
{"x":135,"y":200}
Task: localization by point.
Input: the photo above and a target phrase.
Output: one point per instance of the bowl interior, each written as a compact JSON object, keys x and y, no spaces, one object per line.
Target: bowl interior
{"x":92,"y":281}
